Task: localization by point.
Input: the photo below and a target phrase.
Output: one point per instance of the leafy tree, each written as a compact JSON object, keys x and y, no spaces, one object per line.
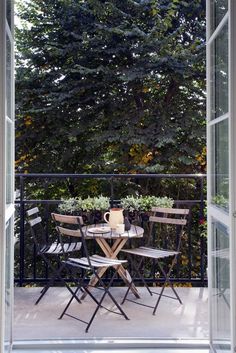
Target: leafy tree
{"x":111,"y":86}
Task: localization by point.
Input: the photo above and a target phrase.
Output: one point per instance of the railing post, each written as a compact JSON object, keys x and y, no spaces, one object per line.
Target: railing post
{"x":202,"y":242}
{"x":112,"y":191}
{"x":22,"y":232}
{"x":46,"y":216}
{"x":202,"y":198}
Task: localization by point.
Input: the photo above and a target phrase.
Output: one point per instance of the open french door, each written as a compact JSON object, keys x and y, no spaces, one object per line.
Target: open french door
{"x":6,"y":172}
{"x":221,"y":133}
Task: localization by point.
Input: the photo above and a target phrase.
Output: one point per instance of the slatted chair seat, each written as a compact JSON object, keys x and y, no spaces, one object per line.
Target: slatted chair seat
{"x":95,"y":261}
{"x":166,"y":218}
{"x":108,"y":261}
{"x":56,"y":248}
{"x":84,"y":266}
{"x":152,"y":253}
{"x":50,"y":251}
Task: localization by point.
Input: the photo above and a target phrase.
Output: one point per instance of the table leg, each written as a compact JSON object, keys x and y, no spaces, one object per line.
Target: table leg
{"x":124,"y":274}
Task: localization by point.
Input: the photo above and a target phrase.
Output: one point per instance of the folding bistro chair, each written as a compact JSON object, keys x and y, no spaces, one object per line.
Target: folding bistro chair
{"x":85,"y":267}
{"x":167,"y":218}
{"x":50,"y":251}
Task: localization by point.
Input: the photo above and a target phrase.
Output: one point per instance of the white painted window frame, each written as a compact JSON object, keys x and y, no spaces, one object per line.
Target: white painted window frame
{"x":214,"y":212}
{"x":6,"y":210}
{"x":232,"y":159}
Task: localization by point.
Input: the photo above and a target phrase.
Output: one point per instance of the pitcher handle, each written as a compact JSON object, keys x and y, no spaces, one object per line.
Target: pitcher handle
{"x":104,"y":216}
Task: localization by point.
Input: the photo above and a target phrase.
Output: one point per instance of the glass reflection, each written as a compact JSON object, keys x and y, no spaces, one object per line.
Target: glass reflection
{"x":218,"y":10}
{"x":219,"y":74}
{"x":8,"y":290}
{"x":8,"y":77}
{"x":220,"y":165}
{"x":220,"y":300}
{"x":9,"y":166}
{"x":9,"y":10}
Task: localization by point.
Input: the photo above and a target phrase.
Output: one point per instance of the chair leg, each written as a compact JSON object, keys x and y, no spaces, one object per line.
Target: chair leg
{"x":43,"y":292}
{"x":74,"y":295}
{"x":174,"y":290}
{"x":158,"y":300}
{"x":51,"y":281}
{"x":47,"y":286}
{"x":106,"y":292}
{"x":82,"y":285}
{"x":136,"y":268}
{"x":167,"y":280}
{"x":56,"y":274}
{"x":167,"y":277}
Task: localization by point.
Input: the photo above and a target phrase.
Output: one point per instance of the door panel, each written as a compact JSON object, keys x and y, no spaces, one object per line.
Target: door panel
{"x":7,"y":173}
{"x":220,"y":165}
{"x":219,"y":73}
{"x":8,"y":287}
{"x":220,"y":283}
{"x":219,"y":182}
{"x":218,"y":9}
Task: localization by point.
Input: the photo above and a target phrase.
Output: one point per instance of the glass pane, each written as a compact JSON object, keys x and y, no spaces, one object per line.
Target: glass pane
{"x":220,"y":300}
{"x":220,"y":165}
{"x":8,"y":288}
{"x":8,"y":77}
{"x":218,"y":10}
{"x":219,"y":74}
{"x":9,"y":12}
{"x":9,"y":163}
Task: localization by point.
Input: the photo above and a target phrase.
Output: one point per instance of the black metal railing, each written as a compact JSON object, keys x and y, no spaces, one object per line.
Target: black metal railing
{"x":190,"y":187}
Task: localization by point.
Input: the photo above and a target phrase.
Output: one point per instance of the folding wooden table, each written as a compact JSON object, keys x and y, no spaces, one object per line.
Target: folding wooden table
{"x":103,"y":234}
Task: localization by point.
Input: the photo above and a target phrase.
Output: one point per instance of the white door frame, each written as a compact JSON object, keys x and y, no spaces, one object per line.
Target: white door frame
{"x":232,"y":159}
{"x":2,"y":178}
{"x":227,"y":218}
{"x":6,"y":145}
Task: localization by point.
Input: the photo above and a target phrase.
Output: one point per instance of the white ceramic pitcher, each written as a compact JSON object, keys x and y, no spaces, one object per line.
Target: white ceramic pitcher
{"x":115,"y":217}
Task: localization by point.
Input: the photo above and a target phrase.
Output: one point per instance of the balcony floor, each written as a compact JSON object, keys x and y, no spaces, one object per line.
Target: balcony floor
{"x":172,"y":320}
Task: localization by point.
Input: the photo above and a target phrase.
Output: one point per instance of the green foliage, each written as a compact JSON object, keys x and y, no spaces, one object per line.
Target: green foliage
{"x":221,"y":201}
{"x":145,"y":203}
{"x":101,"y":203}
{"x":73,"y":205}
{"x":130,"y":203}
{"x":110,"y":86}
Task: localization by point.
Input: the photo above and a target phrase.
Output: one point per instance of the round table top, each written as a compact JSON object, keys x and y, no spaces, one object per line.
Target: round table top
{"x":104,"y":231}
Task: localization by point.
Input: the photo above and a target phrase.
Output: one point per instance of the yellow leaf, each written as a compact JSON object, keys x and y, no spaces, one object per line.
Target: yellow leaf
{"x":154,"y":12}
{"x":145,"y":89}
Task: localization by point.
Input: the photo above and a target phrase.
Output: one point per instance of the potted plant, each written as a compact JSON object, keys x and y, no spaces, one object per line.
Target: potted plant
{"x":147,"y":202}
{"x":131,"y":206}
{"x":142,"y":205}
{"x":91,"y":208}
{"x":72,"y":206}
{"x":96,"y":206}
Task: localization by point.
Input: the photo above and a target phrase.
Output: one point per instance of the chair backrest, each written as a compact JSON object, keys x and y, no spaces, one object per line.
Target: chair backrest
{"x":70,"y":227}
{"x":36,"y":227}
{"x":169,"y":218}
